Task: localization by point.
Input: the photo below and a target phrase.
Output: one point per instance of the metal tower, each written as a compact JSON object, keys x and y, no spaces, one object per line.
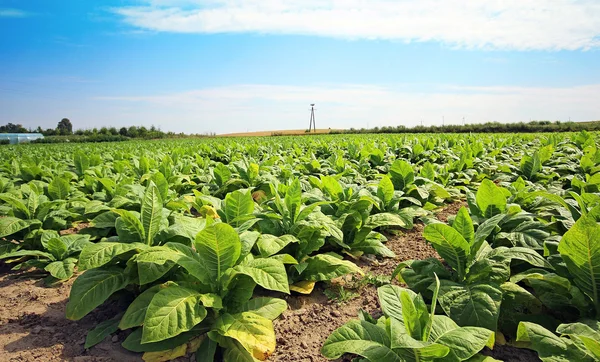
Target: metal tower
{"x":312,"y":123}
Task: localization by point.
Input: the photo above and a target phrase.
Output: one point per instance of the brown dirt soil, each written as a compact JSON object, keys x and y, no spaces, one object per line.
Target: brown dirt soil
{"x":33,"y":326}
{"x":75,"y":229}
{"x":450,"y":210}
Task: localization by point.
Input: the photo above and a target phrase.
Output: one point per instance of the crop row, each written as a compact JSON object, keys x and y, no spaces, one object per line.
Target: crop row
{"x":191,"y":229}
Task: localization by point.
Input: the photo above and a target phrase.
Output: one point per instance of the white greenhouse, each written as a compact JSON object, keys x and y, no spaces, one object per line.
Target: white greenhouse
{"x":15,"y":138}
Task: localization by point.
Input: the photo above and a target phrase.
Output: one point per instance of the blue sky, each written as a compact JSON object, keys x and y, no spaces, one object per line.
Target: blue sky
{"x":247,"y":65}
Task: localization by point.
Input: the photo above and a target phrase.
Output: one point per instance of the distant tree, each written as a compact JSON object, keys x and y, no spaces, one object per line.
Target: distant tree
{"x":113,"y":131}
{"x":132,"y":132}
{"x":13,"y":128}
{"x":64,"y":127}
{"x":39,"y":130}
{"x":123,"y":131}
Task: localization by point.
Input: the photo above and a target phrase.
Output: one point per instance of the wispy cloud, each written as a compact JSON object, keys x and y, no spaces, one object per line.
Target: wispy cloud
{"x":512,"y":24}
{"x":14,"y":13}
{"x":272,"y":107}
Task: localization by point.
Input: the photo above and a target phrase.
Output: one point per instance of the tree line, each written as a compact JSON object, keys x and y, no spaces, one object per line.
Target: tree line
{"x":488,"y":127}
{"x":65,"y":128}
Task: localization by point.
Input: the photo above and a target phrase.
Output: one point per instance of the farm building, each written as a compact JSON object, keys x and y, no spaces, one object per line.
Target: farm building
{"x":15,"y":138}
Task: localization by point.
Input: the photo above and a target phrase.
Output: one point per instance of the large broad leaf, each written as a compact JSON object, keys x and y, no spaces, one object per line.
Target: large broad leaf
{"x":267,"y":307}
{"x":402,"y":174}
{"x":102,"y":330}
{"x":580,"y":249}
{"x":82,"y":162}
{"x":252,"y":331}
{"x":99,"y":254}
{"x":549,"y":346}
{"x":490,"y":199}
{"x":385,"y":219}
{"x":172,"y":311}
{"x":59,"y":188}
{"x":475,"y":305}
{"x":269,"y":244}
{"x":293,"y":199}
{"x":12,"y":225}
{"x":465,"y":342}
{"x":326,"y":267}
{"x":464,"y":225}
{"x":531,"y":165}
{"x":92,"y":288}
{"x":151,"y":214}
{"x":268,"y":273}
{"x":450,"y":244}
{"x":136,"y":312}
{"x":218,"y":248}
{"x":238,"y":204}
{"x":390,"y":298}
{"x":129,"y":228}
{"x":385,"y":190}
{"x":362,"y":338}
{"x":63,"y":269}
{"x":161,"y":184}
{"x":57,"y":247}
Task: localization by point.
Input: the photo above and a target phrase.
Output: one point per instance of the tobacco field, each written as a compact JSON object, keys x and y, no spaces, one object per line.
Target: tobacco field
{"x":381,"y":248}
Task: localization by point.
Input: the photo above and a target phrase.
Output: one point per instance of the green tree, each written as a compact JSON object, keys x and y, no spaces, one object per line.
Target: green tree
{"x":64,"y":127}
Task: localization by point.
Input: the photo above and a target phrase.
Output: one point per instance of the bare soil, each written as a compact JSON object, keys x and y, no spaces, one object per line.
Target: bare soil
{"x":33,"y":326}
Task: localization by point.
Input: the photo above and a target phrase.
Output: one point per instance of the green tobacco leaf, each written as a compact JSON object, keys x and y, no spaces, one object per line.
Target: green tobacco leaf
{"x":99,"y":254}
{"x":101,"y":331}
{"x":11,"y":225}
{"x":472,"y":304}
{"x":172,"y":311}
{"x":218,"y":248}
{"x":402,"y":174}
{"x":268,"y":273}
{"x":550,"y":347}
{"x":20,"y":209}
{"x":161,"y":184}
{"x":293,"y":199}
{"x":385,"y":219}
{"x":326,"y":267}
{"x":82,"y":162}
{"x":270,"y":245}
{"x":57,"y":247}
{"x":62,"y":269}
{"x":385,"y":190}
{"x":490,"y":199}
{"x":362,"y":338}
{"x":390,"y":300}
{"x":580,"y":249}
{"x":450,"y":244}
{"x":237,"y":205}
{"x":93,"y":288}
{"x":465,"y":342}
{"x":59,"y":188}
{"x":464,"y":225}
{"x":136,"y":312}
{"x":129,"y":228}
{"x":267,"y":307}
{"x":531,"y":165}
{"x":151,"y":215}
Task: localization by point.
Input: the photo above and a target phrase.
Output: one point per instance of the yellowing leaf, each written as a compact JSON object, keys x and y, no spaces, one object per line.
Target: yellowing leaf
{"x":255,"y":333}
{"x":208,"y":211}
{"x":168,"y":355}
{"x":303,"y":287}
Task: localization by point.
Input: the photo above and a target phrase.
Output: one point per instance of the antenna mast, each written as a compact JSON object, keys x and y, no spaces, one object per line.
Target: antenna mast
{"x":312,"y":123}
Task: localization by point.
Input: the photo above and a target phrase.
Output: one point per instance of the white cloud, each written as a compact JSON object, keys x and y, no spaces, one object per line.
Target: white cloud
{"x":489,"y":24}
{"x":13,"y":13}
{"x":270,"y":107}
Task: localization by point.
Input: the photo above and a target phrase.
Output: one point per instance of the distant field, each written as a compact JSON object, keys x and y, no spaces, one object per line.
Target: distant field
{"x":273,"y":133}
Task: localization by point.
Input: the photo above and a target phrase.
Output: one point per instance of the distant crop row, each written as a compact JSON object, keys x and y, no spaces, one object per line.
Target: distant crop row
{"x":191,"y":229}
